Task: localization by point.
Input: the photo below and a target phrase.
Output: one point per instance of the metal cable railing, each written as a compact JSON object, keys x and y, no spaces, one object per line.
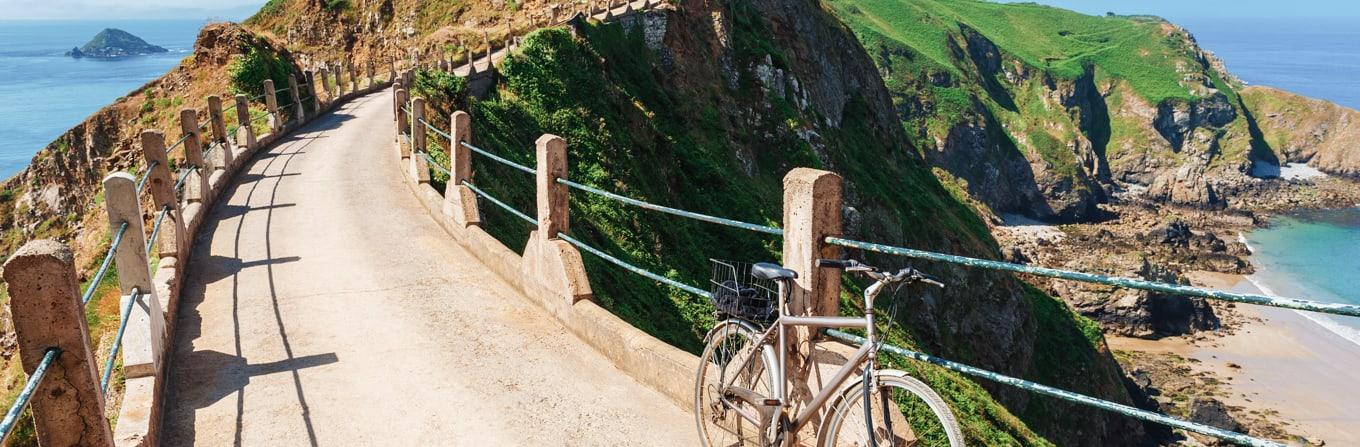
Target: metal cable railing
{"x":634,"y":268}
{"x":156,"y":228}
{"x":678,"y":212}
{"x":25,"y":395}
{"x":498,"y":158}
{"x":179,"y":183}
{"x":512,"y":210}
{"x":181,"y":140}
{"x":141,"y":182}
{"x":1128,"y":283}
{"x":104,"y":265}
{"x":1058,"y":393}
{"x":118,"y":339}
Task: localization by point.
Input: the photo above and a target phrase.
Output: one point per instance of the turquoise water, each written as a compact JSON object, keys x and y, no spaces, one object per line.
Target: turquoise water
{"x":1312,"y":255}
{"x":43,"y":94}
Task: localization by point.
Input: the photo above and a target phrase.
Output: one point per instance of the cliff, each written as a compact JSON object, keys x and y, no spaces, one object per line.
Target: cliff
{"x":1045,"y":112}
{"x":113,"y":42}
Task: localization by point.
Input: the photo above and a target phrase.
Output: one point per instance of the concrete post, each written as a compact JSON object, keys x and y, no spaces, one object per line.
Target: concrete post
{"x":325,"y":81}
{"x":338,"y":87}
{"x":486,"y":40}
{"x":68,"y":407}
{"x":397,"y":88}
{"x":144,"y":341}
{"x":551,"y":268}
{"x":271,"y":102}
{"x":471,"y":61}
{"x":221,"y":158}
{"x":244,"y":129}
{"x":419,"y":168}
{"x":812,"y":212}
{"x":219,"y":122}
{"x":417,"y":127}
{"x":553,"y":212}
{"x":353,"y":79}
{"x":298,"y":113}
{"x":371,"y":71}
{"x":403,"y":120}
{"x":311,"y":86}
{"x":392,"y":70}
{"x":172,"y":240}
{"x":196,"y":187}
{"x":460,"y":203}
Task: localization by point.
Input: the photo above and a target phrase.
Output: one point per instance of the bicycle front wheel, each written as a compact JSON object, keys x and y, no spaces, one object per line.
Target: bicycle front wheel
{"x":733,"y":357}
{"x":904,"y":412}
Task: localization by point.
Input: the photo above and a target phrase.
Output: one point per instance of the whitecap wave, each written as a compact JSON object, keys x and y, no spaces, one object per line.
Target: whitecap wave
{"x":1331,"y":325}
{"x":1243,"y":239}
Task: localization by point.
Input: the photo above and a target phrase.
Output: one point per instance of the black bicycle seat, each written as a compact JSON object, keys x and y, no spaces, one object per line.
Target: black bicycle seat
{"x":765,"y":270}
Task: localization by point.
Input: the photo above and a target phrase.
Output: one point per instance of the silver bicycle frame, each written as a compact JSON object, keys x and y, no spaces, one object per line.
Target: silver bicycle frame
{"x":865,"y":353}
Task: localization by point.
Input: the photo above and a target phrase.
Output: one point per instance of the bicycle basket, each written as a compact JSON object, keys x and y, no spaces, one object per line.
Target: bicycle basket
{"x":737,"y":293}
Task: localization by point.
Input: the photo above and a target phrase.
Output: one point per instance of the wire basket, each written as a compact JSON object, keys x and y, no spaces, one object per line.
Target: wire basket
{"x":738,"y":294}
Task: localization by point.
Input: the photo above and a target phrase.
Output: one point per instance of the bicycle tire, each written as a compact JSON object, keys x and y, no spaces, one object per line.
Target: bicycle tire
{"x":845,"y":426}
{"x":718,"y":424}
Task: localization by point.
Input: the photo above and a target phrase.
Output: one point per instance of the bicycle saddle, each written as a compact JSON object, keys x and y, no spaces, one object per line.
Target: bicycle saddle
{"x":765,"y":270}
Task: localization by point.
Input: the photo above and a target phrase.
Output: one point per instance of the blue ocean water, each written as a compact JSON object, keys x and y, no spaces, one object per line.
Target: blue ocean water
{"x":43,"y":94}
{"x":1313,"y":255}
{"x":1318,"y":58}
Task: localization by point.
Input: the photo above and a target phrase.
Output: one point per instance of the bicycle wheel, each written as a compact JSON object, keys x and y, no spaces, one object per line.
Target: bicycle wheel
{"x":905,"y":412}
{"x":732,"y":355}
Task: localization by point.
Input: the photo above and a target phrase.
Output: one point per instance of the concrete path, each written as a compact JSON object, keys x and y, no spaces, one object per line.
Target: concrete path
{"x":323,"y":306}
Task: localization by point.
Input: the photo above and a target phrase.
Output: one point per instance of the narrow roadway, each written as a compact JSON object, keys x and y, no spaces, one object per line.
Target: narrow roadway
{"x":324,"y":306}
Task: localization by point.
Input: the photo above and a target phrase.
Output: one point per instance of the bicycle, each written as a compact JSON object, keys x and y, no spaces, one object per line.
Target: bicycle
{"x":740,"y":387}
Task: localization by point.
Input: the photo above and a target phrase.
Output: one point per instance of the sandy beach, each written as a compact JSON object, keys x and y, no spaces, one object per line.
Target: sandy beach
{"x":1276,"y":363}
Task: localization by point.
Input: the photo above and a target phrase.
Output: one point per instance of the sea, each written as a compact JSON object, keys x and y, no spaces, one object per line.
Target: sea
{"x":43,"y":93}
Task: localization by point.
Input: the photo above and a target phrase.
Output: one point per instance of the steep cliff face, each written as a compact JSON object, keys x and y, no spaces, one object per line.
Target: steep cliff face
{"x":1296,"y":129}
{"x":1046,"y":112}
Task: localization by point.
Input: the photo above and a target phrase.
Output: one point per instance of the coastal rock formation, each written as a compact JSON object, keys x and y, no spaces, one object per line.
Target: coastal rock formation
{"x":113,"y":42}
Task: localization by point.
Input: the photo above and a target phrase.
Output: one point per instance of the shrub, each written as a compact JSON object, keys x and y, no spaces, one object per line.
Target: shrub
{"x":249,"y":72}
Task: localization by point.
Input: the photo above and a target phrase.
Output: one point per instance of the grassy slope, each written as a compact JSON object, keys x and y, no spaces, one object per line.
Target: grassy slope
{"x":914,"y":41}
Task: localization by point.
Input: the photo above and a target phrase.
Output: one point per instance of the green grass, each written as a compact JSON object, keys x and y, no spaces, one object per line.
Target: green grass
{"x":1061,"y":42}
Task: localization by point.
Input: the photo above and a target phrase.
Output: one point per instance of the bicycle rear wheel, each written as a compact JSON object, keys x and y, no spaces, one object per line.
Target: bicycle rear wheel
{"x":905,"y":412}
{"x":732,"y":355}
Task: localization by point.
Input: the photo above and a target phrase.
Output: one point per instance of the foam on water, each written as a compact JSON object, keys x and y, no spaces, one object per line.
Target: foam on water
{"x":1346,"y":332}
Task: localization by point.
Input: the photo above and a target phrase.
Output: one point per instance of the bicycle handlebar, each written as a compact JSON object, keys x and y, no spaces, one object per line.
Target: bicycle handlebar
{"x":907,"y":274}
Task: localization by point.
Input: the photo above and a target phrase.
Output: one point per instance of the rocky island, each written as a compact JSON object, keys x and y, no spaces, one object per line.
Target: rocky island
{"x":113,"y":42}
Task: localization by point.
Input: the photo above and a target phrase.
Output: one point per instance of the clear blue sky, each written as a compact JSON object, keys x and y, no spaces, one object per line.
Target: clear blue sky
{"x":1205,"y":9}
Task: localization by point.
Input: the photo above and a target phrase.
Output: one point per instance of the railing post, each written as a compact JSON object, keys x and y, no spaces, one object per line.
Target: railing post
{"x":553,"y":212}
{"x":221,"y":159}
{"x":353,"y":79}
{"x":392,"y":70}
{"x":243,"y":123}
{"x":68,"y":406}
{"x":336,"y":88}
{"x":460,"y":203}
{"x":812,"y":212}
{"x":271,"y":102}
{"x":471,"y":62}
{"x":219,"y":122}
{"x":144,"y":341}
{"x":325,"y":80}
{"x":403,"y":122}
{"x":551,"y":268}
{"x":420,"y":170}
{"x":370,"y":73}
{"x":486,"y":40}
{"x":162,"y":186}
{"x":299,"y":112}
{"x":196,"y":190}
{"x":311,"y":86}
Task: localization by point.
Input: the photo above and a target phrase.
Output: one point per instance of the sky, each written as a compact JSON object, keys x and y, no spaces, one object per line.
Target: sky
{"x":1207,"y":9}
{"x":234,"y":10}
